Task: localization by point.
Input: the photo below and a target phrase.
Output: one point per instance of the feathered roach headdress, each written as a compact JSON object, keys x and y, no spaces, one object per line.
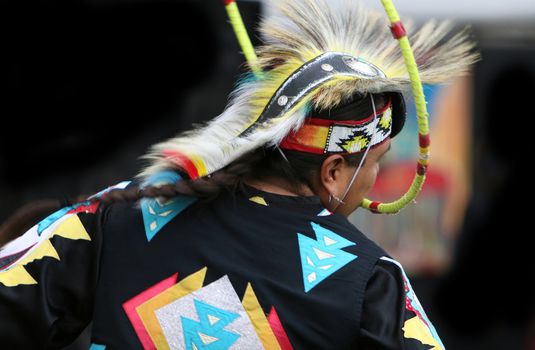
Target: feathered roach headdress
{"x":317,"y":54}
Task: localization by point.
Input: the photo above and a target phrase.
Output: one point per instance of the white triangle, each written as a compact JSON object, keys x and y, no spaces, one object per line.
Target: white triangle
{"x":194,"y":347}
{"x":212,"y":319}
{"x":206,"y":339}
{"x":309,"y":261}
{"x":163,"y":201}
{"x":164,"y":214}
{"x":321,"y":254}
{"x":326,"y":267}
{"x":329,"y":241}
{"x":312,"y":277}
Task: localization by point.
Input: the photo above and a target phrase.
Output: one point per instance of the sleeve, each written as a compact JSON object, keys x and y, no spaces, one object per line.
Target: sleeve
{"x":48,"y":277}
{"x":392,"y":316}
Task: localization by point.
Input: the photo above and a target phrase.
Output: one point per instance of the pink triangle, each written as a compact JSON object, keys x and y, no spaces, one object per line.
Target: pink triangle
{"x":130,"y":309}
{"x":278,"y":330}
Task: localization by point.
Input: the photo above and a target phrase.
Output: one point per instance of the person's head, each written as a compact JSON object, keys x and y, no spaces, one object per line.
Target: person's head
{"x":315,"y":53}
{"x":334,"y":181}
{"x":321,"y":56}
{"x":335,"y":154}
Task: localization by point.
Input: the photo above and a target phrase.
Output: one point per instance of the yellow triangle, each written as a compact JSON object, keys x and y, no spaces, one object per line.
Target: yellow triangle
{"x":355,"y":144}
{"x":415,"y":328}
{"x":72,"y":228}
{"x":259,"y":200}
{"x":15,"y":276}
{"x":44,"y":248}
{"x":386,"y":119}
{"x":147,"y":310}
{"x":258,"y":319}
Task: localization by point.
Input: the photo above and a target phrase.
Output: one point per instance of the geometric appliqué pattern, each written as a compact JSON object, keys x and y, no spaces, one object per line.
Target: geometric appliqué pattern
{"x":157,"y":212}
{"x":212,"y":317}
{"x":35,"y":244}
{"x":209,"y":333}
{"x":68,"y":227}
{"x":322,"y":257}
{"x":188,"y":315}
{"x":418,"y":327}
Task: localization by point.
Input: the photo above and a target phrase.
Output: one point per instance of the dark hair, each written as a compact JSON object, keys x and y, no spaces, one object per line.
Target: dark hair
{"x":298,"y":168}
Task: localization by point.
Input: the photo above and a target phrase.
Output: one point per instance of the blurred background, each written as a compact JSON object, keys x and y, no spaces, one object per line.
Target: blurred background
{"x":91,"y":84}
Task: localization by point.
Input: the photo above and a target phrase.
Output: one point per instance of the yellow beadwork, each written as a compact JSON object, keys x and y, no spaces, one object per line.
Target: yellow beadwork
{"x":422,"y":115}
{"x":241,"y":33}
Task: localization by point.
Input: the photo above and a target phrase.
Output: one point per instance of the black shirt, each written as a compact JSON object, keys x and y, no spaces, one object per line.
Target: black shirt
{"x":248,"y":270}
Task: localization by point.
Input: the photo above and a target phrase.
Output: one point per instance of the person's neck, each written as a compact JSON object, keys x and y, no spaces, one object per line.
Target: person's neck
{"x":279,"y":186}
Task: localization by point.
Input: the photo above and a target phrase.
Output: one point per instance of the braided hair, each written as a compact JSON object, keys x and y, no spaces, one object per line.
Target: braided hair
{"x":297,"y":168}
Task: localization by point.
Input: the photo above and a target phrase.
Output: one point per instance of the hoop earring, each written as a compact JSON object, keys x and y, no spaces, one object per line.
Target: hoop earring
{"x":331,"y":197}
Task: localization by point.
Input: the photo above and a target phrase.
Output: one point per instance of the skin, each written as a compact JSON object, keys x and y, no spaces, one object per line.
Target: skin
{"x":333,"y":178}
{"x":335,"y":175}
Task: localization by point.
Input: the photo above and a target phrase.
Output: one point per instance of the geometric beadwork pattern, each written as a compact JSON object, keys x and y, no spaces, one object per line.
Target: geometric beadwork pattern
{"x":322,"y":257}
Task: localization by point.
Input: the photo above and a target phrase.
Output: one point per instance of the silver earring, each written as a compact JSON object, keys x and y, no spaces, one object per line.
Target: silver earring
{"x":331,"y":197}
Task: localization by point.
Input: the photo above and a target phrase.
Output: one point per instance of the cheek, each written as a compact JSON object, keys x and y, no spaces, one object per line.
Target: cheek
{"x":376,"y":170}
{"x":367,"y":180}
{"x":372,"y":175}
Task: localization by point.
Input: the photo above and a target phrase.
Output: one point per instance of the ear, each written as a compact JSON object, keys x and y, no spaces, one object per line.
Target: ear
{"x":331,"y":174}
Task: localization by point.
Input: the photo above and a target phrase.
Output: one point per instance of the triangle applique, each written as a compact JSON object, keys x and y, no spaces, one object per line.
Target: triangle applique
{"x":203,"y":333}
{"x":158,"y":212}
{"x":322,"y":257}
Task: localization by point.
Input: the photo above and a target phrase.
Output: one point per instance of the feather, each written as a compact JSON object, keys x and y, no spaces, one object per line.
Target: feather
{"x":297,"y":32}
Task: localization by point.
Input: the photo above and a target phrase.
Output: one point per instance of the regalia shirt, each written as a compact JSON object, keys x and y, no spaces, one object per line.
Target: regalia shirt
{"x":247,"y":270}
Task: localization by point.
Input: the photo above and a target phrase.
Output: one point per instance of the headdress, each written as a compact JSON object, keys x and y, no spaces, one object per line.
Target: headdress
{"x":317,"y":55}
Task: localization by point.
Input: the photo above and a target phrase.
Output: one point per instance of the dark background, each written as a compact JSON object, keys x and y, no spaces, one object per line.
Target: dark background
{"x":92,"y":84}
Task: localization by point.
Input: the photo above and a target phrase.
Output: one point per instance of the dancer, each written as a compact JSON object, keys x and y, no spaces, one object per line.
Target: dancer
{"x":235,"y":235}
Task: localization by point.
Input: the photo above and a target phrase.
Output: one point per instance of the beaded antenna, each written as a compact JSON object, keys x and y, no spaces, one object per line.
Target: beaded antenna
{"x":317,"y":54}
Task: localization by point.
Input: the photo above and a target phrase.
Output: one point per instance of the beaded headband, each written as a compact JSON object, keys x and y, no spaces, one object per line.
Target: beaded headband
{"x":321,"y":136}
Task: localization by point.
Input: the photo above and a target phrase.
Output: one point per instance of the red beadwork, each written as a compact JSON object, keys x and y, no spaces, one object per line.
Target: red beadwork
{"x":421,"y":169}
{"x":424,"y":140}
{"x":398,"y":30}
{"x":374,"y":207}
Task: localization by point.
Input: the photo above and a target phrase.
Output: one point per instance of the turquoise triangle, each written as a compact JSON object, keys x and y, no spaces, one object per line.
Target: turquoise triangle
{"x":322,"y":257}
{"x":156,"y":212}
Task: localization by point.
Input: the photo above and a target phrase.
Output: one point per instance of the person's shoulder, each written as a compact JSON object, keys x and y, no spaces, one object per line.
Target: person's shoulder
{"x":346,"y":227}
{"x":391,"y":300}
{"x":147,"y":214}
{"x":348,"y":230}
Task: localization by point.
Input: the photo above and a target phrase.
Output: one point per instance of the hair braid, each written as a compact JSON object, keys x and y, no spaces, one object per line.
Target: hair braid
{"x":207,"y":188}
